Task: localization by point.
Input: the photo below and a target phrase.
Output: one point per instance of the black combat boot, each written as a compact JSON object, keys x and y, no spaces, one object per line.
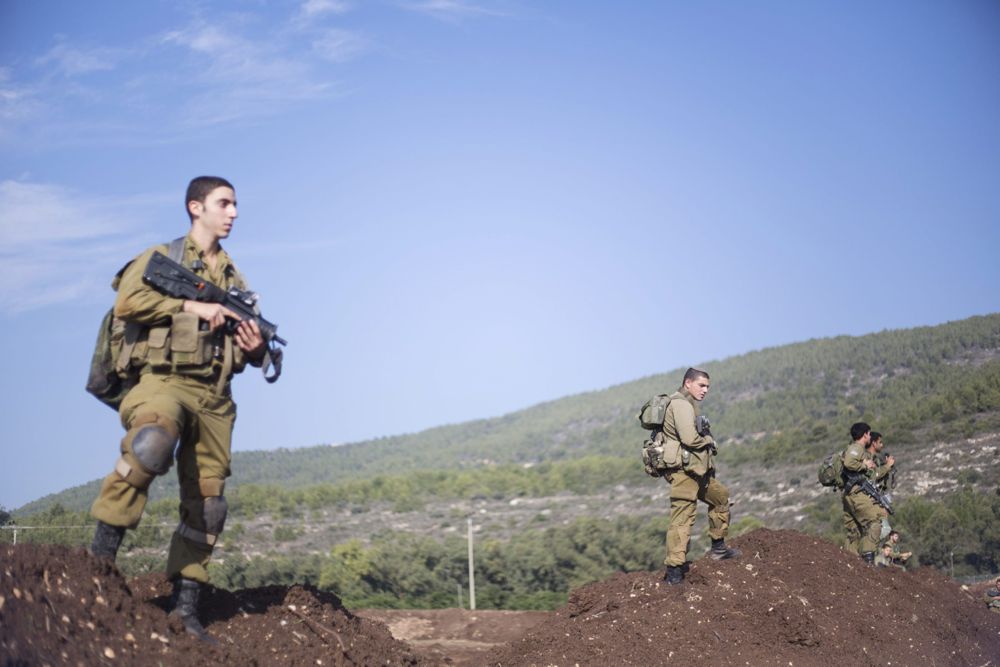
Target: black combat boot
{"x":107,"y":539}
{"x":674,"y":575}
{"x":186,"y":594}
{"x":869,"y":557}
{"x":720,"y":551}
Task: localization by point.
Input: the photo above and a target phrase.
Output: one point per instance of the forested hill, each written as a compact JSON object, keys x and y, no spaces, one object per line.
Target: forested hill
{"x":790,"y":403}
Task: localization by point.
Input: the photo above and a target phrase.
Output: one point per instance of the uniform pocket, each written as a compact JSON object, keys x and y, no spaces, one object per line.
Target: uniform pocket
{"x":154,"y":350}
{"x":189,"y":346}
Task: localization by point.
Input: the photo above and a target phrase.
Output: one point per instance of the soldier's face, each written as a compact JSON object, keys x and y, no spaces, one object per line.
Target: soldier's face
{"x":698,"y":388}
{"x":877,"y":445}
{"x":217,"y":213}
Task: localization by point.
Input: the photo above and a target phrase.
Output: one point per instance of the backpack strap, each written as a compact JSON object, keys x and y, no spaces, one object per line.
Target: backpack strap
{"x":176,"y":251}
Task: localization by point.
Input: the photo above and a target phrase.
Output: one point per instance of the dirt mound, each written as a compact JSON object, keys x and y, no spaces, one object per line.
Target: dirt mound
{"x":790,"y":600}
{"x":62,"y":606}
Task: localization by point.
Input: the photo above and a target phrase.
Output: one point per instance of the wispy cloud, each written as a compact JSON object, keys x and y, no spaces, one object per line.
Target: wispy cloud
{"x":73,"y":61}
{"x":339,"y":46}
{"x":57,"y":245}
{"x":452,"y":10}
{"x":311,"y":8}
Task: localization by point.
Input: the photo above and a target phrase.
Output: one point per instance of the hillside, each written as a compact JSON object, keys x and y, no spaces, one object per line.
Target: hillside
{"x":786,"y":404}
{"x":556,"y":496}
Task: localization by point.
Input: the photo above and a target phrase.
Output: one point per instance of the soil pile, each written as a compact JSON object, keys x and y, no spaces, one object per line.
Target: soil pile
{"x":790,"y":600}
{"x":61,"y":606}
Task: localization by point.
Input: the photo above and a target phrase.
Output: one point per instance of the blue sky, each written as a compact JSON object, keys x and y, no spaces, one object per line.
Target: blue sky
{"x":458,"y":208}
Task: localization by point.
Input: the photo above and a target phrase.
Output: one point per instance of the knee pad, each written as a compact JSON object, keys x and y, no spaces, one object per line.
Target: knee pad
{"x":153,"y":440}
{"x":213,"y":517}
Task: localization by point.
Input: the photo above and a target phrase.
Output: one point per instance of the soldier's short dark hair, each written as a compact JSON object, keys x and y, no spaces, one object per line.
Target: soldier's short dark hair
{"x":199,"y":188}
{"x":694,"y":374}
{"x":876,"y":436}
{"x":859,"y":429}
{"x":893,"y":532}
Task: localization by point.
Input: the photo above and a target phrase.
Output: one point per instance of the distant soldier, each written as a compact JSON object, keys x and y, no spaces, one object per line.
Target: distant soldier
{"x":884,"y":557}
{"x":862,"y":516}
{"x":885,"y":476}
{"x":992,"y":597}
{"x":695,"y":480}
{"x":899,"y":557}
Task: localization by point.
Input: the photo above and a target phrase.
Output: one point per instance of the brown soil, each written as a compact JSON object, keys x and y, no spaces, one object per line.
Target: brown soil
{"x":61,"y":606}
{"x":461,"y":636}
{"x":790,"y":600}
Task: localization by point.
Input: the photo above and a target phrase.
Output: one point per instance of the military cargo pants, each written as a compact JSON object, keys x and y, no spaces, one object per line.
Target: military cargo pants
{"x":203,"y":420}
{"x":862,"y":521}
{"x":685,"y":492}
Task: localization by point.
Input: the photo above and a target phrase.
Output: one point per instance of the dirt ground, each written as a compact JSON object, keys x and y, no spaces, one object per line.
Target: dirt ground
{"x":791,"y":600}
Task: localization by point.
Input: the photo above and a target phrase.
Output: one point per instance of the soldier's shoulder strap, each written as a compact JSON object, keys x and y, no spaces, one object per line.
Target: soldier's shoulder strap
{"x":176,"y":250}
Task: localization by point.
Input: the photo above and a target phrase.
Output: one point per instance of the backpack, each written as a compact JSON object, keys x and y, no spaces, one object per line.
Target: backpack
{"x":112,"y":374}
{"x":653,"y":412}
{"x":831,"y":470}
{"x":658,"y":457}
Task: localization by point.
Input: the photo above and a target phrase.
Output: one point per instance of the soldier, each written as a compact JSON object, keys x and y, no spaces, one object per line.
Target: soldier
{"x":885,"y":477}
{"x":862,"y":516}
{"x":695,"y":480}
{"x":898,"y":555}
{"x":992,"y":597}
{"x":884,"y":557}
{"x":182,"y":401}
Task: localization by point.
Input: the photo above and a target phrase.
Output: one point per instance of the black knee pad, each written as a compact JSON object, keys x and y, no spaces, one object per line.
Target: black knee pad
{"x":153,"y":447}
{"x":215,"y":512}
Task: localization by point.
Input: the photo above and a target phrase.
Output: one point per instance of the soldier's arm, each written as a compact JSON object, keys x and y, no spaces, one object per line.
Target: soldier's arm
{"x":854,"y":459}
{"x":138,"y":302}
{"x":684,"y":422}
{"x":881,"y":471}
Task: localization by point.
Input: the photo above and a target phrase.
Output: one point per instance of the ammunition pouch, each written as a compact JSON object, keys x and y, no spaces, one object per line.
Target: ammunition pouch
{"x":661,"y":455}
{"x":182,"y":347}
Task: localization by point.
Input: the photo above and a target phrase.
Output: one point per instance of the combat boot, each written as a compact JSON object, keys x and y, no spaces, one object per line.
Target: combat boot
{"x":720,"y":551}
{"x":674,"y":575}
{"x":868,"y":557}
{"x":107,"y":540}
{"x":186,"y":594}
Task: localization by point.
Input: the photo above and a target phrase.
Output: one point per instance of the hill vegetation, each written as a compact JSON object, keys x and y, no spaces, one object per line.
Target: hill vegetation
{"x":777,"y":411}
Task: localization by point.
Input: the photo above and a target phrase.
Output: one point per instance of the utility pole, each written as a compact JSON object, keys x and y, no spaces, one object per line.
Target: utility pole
{"x":472,"y":573}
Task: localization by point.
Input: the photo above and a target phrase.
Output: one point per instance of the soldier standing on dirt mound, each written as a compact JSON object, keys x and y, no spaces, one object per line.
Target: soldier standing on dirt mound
{"x":182,"y":401}
{"x":885,"y":477}
{"x":862,"y":515}
{"x":695,"y":480}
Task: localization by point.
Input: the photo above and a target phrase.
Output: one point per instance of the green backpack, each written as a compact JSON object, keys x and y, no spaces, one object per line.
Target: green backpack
{"x":653,"y":412}
{"x":112,"y":374}
{"x":658,"y":457}
{"x":831,"y":469}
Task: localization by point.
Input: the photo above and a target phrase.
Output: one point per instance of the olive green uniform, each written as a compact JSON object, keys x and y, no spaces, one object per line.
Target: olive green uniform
{"x":992,"y":598}
{"x":184,"y":389}
{"x":862,"y":516}
{"x":694,"y":481}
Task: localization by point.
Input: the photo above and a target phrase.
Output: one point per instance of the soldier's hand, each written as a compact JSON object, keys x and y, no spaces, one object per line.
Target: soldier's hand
{"x":890,"y":461}
{"x":869,"y":464}
{"x":213,"y":313}
{"x":249,"y":339}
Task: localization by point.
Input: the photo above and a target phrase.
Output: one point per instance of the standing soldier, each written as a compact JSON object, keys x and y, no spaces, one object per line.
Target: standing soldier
{"x":695,"y":480}
{"x":182,"y":402}
{"x":862,"y":516}
{"x":885,"y":477}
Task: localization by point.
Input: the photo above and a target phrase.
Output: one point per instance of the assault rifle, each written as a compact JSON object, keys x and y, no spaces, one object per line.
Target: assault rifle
{"x":169,"y":277}
{"x":859,"y":479}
